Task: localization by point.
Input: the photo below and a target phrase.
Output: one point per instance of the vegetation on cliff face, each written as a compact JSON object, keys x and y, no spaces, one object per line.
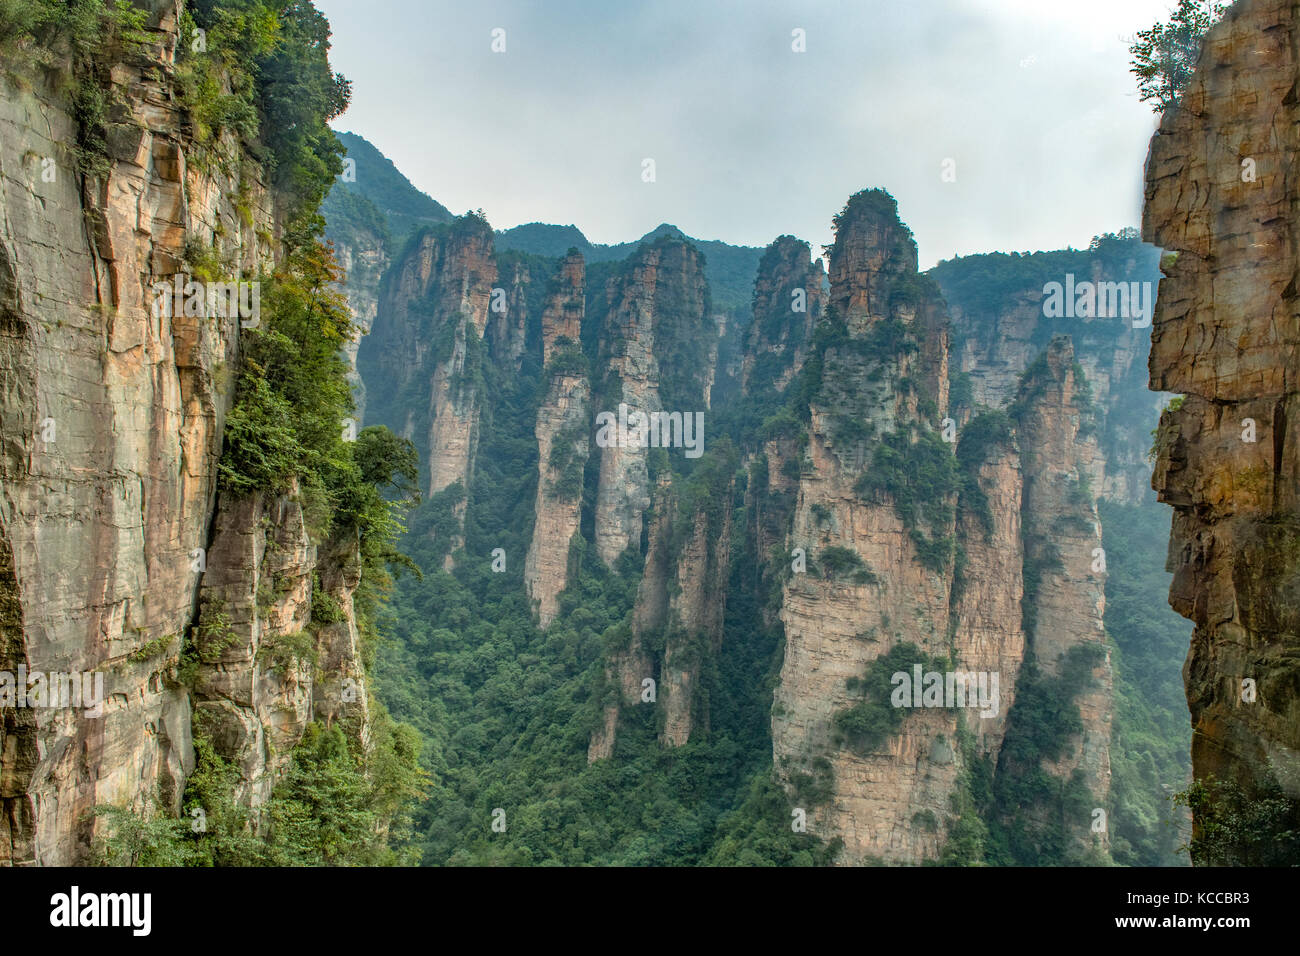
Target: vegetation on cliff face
{"x":1236,"y":825}
{"x":508,"y":710}
{"x":500,"y":712}
{"x":920,"y":475}
{"x":865,"y":725}
{"x":259,"y":69}
{"x":85,"y":35}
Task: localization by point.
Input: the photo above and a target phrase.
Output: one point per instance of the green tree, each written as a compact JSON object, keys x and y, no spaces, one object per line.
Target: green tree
{"x":1165,"y":56}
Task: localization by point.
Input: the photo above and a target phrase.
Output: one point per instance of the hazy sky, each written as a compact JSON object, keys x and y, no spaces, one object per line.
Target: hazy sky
{"x":1032,"y":99}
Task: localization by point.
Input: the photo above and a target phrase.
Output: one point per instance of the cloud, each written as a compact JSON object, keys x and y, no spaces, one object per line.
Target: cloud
{"x":1032,"y":101}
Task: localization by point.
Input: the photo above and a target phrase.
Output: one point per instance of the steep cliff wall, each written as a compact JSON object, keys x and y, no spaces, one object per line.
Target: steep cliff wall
{"x":363,"y":255}
{"x":1000,"y":326}
{"x":913,"y":543}
{"x":121,"y":558}
{"x":423,"y":358}
{"x":658,"y":347}
{"x":879,"y":568}
{"x":788,"y":302}
{"x":370,"y":212}
{"x":99,"y":521}
{"x":1221,"y":195}
{"x":656,"y":353}
{"x":677,"y":621}
{"x":563,"y":440}
{"x":1065,"y":571}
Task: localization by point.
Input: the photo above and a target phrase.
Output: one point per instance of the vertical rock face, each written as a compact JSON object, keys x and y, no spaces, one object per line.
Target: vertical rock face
{"x":1064,"y":576}
{"x":966,"y":564}
{"x":266,"y":667}
{"x":788,"y":301}
{"x":885,"y":375}
{"x":258,"y":589}
{"x":986,"y":616}
{"x":99,"y":521}
{"x":999,"y":328}
{"x":658,"y":347}
{"x":426,"y":350}
{"x":111,"y":414}
{"x":508,"y":317}
{"x":656,"y":351}
{"x":563,"y":438}
{"x":677,"y":621}
{"x":1221,"y":197}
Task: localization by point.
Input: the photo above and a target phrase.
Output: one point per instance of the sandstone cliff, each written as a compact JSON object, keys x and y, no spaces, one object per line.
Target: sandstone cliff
{"x":658,"y":347}
{"x":901,"y":553}
{"x":1220,"y":197}
{"x":656,"y":353}
{"x":1064,"y":575}
{"x":999,"y":328}
{"x":363,"y":255}
{"x":788,"y":302}
{"x":425,"y":354}
{"x":99,"y":523}
{"x":111,"y":419}
{"x":884,"y":378}
{"x":563,"y":440}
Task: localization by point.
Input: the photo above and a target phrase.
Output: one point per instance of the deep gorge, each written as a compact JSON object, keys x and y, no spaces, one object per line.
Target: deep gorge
{"x":367,"y":584}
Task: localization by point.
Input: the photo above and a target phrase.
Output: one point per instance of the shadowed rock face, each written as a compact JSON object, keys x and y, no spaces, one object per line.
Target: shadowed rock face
{"x":424,"y":354}
{"x":788,"y":302}
{"x":1057,"y":435}
{"x":999,"y":328}
{"x":1221,"y":195}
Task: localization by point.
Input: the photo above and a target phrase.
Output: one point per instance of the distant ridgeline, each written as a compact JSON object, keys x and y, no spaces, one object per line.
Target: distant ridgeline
{"x":622,"y":653}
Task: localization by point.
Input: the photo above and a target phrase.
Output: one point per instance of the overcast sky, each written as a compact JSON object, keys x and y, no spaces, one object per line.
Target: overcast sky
{"x":1032,"y":99}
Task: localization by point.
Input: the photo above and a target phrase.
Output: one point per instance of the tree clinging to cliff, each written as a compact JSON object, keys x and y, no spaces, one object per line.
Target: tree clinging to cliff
{"x":1165,"y":56}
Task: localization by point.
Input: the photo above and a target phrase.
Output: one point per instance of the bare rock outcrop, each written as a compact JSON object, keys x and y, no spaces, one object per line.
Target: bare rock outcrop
{"x":110,"y":430}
